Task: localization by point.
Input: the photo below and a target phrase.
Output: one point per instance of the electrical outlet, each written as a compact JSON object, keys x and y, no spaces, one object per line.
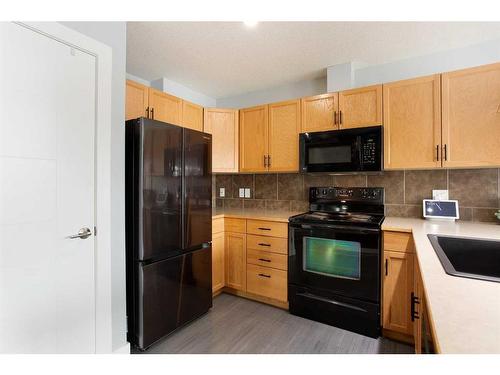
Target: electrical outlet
{"x":222,"y":192}
{"x":440,"y":195}
{"x":247,"y":192}
{"x":242,"y":193}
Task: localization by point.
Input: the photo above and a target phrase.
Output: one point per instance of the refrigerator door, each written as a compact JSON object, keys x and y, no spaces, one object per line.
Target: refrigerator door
{"x":171,"y":293}
{"x":197,"y":188}
{"x":160,"y":189}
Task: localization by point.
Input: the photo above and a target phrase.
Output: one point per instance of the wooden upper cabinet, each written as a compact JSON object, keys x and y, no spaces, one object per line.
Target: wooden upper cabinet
{"x":412,"y":123}
{"x":397,"y":288}
{"x":284,"y":129}
{"x":254,"y":139}
{"x":192,"y":116}
{"x":471,"y":117}
{"x":320,"y":112}
{"x":136,"y":100}
{"x":165,"y":107}
{"x":223,"y":125}
{"x":360,"y":107}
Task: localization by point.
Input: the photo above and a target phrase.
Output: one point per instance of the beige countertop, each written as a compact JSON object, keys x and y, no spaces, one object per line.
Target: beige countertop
{"x":465,"y":313}
{"x":270,"y":215}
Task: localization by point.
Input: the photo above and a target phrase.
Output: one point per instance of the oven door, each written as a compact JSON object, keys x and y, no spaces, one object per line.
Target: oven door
{"x":339,"y":259}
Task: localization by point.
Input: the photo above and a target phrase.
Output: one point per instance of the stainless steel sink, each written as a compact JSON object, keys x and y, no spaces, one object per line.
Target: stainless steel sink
{"x":475,"y":258}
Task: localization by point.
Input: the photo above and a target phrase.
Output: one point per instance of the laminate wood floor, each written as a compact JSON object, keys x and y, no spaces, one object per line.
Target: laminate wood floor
{"x":238,"y":325}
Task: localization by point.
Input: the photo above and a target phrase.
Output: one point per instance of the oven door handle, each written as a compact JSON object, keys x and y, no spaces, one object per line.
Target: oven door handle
{"x":339,"y":227}
{"x":332,"y":301}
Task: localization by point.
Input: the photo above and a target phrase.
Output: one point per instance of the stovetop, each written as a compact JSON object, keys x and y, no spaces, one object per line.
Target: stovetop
{"x":334,"y":218}
{"x":362,"y":207}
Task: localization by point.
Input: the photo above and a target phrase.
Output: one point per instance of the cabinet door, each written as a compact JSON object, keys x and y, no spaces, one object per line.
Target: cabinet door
{"x":419,"y":308}
{"x":471,"y":117}
{"x":235,"y":262}
{"x":136,"y":101}
{"x":398,"y":285}
{"x":360,"y":107}
{"x":412,"y":123}
{"x":192,"y":116}
{"x":320,"y":112}
{"x":284,"y":128}
{"x":165,"y":107}
{"x":217,"y":261}
{"x":254,"y":133}
{"x":223,"y":125}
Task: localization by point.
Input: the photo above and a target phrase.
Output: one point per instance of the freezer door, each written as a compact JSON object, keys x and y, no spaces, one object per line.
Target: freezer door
{"x":160,"y":191}
{"x":197,"y":188}
{"x":171,"y":293}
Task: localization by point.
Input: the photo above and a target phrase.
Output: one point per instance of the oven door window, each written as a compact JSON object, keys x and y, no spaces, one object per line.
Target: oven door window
{"x":333,"y":258}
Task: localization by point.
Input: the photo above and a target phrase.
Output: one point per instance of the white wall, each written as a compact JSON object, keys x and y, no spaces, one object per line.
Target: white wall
{"x":276,"y":94}
{"x":114,"y":35}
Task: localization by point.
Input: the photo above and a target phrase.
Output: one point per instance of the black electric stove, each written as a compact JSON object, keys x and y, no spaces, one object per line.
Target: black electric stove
{"x":334,"y":258}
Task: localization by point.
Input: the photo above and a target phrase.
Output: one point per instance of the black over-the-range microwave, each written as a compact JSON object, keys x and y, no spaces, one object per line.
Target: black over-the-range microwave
{"x":348,"y":150}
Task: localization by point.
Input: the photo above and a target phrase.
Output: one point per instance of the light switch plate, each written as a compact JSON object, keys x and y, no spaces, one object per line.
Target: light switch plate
{"x":242,"y":193}
{"x":222,"y":192}
{"x":247,"y":192}
{"x":440,"y":195}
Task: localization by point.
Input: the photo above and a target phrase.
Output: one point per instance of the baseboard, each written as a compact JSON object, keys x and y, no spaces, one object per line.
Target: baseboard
{"x":397,"y":336}
{"x":125,"y":349}
{"x":254,"y":297}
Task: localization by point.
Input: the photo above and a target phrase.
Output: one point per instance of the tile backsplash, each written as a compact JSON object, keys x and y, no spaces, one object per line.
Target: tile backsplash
{"x":477,"y":190}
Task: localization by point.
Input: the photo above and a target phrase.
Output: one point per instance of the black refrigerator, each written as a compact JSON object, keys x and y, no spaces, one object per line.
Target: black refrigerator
{"x":168,"y":194}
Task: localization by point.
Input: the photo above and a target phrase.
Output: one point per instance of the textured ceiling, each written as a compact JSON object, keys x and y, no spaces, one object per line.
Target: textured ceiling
{"x":222,"y":59}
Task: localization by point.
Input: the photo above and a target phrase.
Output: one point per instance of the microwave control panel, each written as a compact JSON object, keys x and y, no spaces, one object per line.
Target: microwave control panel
{"x":368,"y":151}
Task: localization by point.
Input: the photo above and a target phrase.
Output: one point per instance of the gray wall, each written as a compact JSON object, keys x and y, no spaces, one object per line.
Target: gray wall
{"x":183,"y":92}
{"x":478,"y":54}
{"x":114,"y":34}
{"x":276,"y":94}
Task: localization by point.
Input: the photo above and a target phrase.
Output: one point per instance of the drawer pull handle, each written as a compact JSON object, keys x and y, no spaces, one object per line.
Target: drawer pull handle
{"x":261,"y":228}
{"x":264,"y":275}
{"x":265,"y":260}
{"x":264,"y":244}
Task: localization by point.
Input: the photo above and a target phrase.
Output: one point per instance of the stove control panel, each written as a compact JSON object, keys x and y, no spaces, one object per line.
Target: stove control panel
{"x":359,"y":194}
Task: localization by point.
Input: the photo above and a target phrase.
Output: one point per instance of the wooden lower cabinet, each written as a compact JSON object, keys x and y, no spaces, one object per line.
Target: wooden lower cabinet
{"x":236,"y":261}
{"x":253,"y":266}
{"x":267,"y":282}
{"x":422,"y":332}
{"x":218,"y":262}
{"x":398,"y":286}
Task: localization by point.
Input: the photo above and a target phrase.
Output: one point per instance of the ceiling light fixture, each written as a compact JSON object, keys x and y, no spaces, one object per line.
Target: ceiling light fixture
{"x":250,"y":23}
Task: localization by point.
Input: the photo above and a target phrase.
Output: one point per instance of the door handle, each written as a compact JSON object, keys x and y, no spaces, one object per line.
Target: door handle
{"x":437,"y":152}
{"x":264,"y":260}
{"x":83,"y":233}
{"x":265,"y":160}
{"x":147,"y":112}
{"x":334,"y":117}
{"x":152,"y":113}
{"x":340,"y":118}
{"x":386,"y":267}
{"x":269,"y":160}
{"x":445,"y":152}
{"x":264,"y":275}
{"x":263,"y":244}
{"x":414,"y":301}
{"x":262,"y":228}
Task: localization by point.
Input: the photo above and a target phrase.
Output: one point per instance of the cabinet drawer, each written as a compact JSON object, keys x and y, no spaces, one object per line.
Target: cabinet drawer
{"x":218,"y":225}
{"x":267,"y":228}
{"x":271,"y":244}
{"x":398,"y":241}
{"x":235,"y":225}
{"x":267,"y":282}
{"x":267,"y":259}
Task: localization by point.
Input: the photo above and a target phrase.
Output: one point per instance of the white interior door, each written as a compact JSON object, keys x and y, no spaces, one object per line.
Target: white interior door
{"x":47,"y":124}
